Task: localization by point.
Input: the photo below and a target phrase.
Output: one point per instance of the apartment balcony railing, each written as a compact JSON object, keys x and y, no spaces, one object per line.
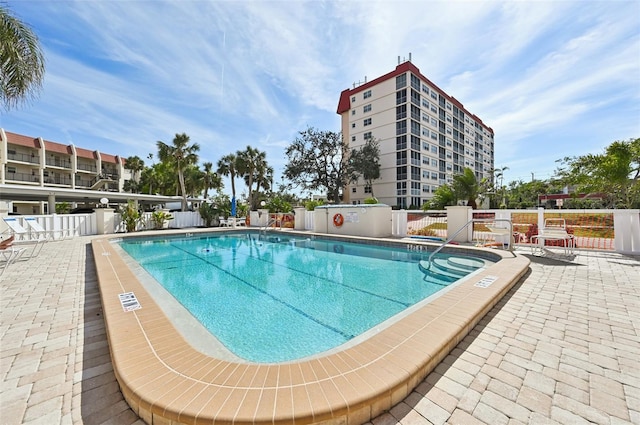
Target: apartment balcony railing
{"x":88,"y":167}
{"x":63,"y":163}
{"x":23,"y":177}
{"x":58,"y":180}
{"x":24,"y":157}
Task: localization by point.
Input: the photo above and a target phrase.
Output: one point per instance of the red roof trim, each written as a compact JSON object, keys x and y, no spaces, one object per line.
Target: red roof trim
{"x":345,"y":97}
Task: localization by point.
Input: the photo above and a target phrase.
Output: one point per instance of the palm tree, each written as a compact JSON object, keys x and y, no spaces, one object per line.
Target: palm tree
{"x":135,"y":165}
{"x":227,"y":166}
{"x":180,"y":155}
{"x":466,"y":185}
{"x":211,"y":180}
{"x":252,"y":163}
{"x":21,"y":61}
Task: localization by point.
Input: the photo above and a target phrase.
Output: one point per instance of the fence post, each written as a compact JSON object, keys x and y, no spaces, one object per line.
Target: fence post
{"x":626,"y":230}
{"x":399,"y":222}
{"x":540,"y":218}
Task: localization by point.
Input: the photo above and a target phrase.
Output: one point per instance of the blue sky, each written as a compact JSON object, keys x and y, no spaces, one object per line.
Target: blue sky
{"x":552,"y":78}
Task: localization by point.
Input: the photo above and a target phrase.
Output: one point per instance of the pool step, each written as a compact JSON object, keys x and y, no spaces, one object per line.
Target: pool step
{"x":445,"y":270}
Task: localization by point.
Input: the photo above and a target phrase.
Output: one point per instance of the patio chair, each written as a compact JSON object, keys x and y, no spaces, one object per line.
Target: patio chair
{"x":36,"y":228}
{"x":22,"y":236}
{"x":9,"y":253}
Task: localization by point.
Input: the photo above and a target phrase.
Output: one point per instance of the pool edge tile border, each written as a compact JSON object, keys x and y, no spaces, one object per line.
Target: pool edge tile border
{"x":384,"y":371}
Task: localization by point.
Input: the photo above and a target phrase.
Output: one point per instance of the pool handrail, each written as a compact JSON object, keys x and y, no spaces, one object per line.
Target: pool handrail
{"x":474,"y":220}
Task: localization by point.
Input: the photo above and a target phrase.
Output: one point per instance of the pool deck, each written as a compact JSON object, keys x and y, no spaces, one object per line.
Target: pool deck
{"x":561,"y":347}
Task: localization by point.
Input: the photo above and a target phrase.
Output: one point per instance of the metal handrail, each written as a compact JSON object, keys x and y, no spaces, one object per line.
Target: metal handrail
{"x":267,"y":226}
{"x":474,"y":220}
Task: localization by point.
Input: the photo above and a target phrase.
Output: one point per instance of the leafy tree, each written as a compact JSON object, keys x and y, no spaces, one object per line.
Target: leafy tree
{"x":317,"y":161}
{"x":278,"y":204}
{"x":209,"y":213}
{"x":466,"y":186}
{"x":21,"y":61}
{"x":180,"y":155}
{"x":227,"y":166}
{"x":365,"y":163}
{"x":615,"y":174}
{"x":442,"y":197}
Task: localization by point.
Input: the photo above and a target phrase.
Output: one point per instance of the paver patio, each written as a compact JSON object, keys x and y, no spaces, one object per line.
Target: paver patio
{"x":563,"y":347}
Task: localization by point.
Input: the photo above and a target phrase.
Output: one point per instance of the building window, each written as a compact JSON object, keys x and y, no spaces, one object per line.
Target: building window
{"x":353,"y":112}
{"x":415,"y":143}
{"x":401,"y":143}
{"x":401,"y":127}
{"x":434,"y":122}
{"x":353,"y":190}
{"x":367,"y":189}
{"x":415,"y":113}
{"x":366,"y":108}
{"x":401,"y":112}
{"x":353,"y":125}
{"x":415,"y":158}
{"x":434,"y":162}
{"x":401,"y":81}
{"x":434,"y":95}
{"x":401,"y":96}
{"x":401,"y":157}
{"x":353,"y":138}
{"x":401,"y":187}
{"x":415,"y":97}
{"x":415,"y":173}
{"x":367,"y":94}
{"x":425,"y":103}
{"x":425,"y":146}
{"x":415,"y":127}
{"x":434,"y":176}
{"x":367,"y":135}
{"x":401,"y":174}
{"x":415,"y":82}
{"x":11,"y":170}
{"x":425,"y":89}
{"x":367,"y":122}
{"x":353,"y":98}
{"x":434,"y":149}
{"x":425,"y":188}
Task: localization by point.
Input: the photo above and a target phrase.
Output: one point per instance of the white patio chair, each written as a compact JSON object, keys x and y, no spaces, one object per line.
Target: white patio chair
{"x":37,"y":229}
{"x":9,"y":253}
{"x":22,"y":236}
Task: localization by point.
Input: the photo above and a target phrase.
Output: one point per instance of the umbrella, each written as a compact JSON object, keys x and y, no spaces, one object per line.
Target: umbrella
{"x":233,"y":206}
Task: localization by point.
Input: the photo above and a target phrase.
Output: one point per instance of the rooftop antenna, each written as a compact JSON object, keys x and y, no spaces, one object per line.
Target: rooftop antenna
{"x":404,"y":59}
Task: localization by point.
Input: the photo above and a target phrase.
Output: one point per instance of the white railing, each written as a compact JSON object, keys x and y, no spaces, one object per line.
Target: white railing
{"x":615,"y":230}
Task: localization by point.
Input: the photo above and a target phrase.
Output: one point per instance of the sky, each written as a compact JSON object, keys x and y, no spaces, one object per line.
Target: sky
{"x":552,"y":78}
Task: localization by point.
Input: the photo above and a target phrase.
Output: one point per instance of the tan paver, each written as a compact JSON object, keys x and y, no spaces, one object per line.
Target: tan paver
{"x":561,"y":347}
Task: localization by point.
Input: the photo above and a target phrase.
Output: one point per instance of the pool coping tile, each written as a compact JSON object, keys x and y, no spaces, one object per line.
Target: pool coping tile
{"x":152,"y":360}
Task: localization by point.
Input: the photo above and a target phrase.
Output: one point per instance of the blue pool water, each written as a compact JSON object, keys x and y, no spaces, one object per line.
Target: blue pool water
{"x":279,"y":298}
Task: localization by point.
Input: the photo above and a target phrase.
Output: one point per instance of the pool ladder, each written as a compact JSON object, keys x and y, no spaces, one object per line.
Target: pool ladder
{"x":263,"y":229}
{"x":474,"y":220}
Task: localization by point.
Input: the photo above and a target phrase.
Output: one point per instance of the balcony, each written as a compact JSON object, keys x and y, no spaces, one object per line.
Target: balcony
{"x":23,"y":177}
{"x":57,"y":162}
{"x":88,"y":167}
{"x":23,"y":157}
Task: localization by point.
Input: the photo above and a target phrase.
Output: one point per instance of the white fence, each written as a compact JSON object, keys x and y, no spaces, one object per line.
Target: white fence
{"x":619,"y":230}
{"x":61,"y":226}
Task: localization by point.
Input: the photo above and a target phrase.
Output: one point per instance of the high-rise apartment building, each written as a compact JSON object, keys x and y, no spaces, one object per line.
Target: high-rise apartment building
{"x":425,"y":136}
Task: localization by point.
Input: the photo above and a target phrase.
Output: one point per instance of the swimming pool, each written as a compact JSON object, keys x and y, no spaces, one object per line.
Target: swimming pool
{"x":280,"y":298}
{"x":164,"y":376}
